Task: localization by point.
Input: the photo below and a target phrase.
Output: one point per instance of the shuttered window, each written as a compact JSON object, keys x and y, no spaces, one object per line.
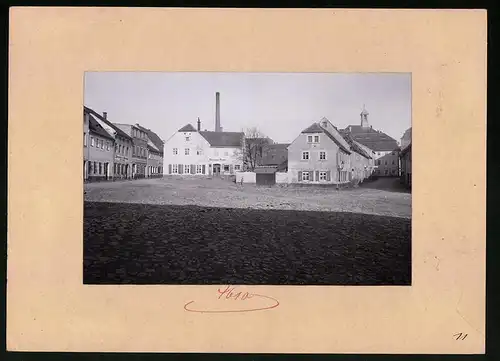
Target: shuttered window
{"x":180,"y":168}
{"x":193,"y":169}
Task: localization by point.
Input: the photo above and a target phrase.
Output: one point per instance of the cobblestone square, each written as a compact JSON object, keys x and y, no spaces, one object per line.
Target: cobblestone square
{"x":211,"y":231}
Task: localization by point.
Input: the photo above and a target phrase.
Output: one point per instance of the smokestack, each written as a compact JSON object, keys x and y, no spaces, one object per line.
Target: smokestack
{"x":199,"y":124}
{"x":217,"y":112}
{"x":105,"y":115}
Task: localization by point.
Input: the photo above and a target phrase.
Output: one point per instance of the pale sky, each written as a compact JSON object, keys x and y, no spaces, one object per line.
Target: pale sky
{"x":280,"y":105}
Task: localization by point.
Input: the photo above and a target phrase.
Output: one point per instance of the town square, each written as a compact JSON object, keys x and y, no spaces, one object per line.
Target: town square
{"x":211,"y":203}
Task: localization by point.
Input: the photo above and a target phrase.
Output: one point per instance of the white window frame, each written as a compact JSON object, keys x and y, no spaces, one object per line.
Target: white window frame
{"x":309,"y":139}
{"x":92,"y":141}
{"x":199,"y":152}
{"x":316,"y":139}
{"x":304,"y":153}
{"x":237,"y":167}
{"x":224,"y":167}
{"x":305,"y":178}
{"x":199,"y":169}
{"x":188,"y":138}
{"x":175,"y":169}
{"x":187,"y":169}
{"x":322,"y":153}
{"x":175,"y":151}
{"x":186,"y":151}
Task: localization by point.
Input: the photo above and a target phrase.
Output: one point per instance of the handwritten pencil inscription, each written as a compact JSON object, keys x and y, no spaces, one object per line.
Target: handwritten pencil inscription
{"x":230,"y":299}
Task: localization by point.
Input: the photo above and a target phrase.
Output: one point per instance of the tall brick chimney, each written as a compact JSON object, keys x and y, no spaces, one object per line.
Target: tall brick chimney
{"x":199,"y":124}
{"x":217,"y":112}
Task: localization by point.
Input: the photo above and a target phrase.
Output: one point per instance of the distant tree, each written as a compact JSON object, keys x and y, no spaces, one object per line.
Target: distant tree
{"x":254,"y":147}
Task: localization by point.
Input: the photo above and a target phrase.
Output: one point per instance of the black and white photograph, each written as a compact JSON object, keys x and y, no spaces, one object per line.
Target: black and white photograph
{"x":207,"y":178}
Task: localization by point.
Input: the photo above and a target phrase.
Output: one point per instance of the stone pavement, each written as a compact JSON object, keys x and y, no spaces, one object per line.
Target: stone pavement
{"x":220,"y":193}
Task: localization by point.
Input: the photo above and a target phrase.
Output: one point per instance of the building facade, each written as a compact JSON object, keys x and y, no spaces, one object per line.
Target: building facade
{"x":195,"y":152}
{"x":319,"y":155}
{"x":361,"y":160}
{"x":154,"y":163}
{"x":406,"y":165}
{"x":99,"y":150}
{"x":139,"y":154}
{"x":381,"y":147}
{"x":122,"y":145}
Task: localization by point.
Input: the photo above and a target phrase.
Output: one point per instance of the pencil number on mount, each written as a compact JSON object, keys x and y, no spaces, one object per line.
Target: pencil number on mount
{"x":460,"y":336}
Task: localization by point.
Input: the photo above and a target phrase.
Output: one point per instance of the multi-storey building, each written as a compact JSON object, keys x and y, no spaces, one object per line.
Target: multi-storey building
{"x":122,"y":149}
{"x":384,"y":149}
{"x":154,"y":164}
{"x":139,"y":148}
{"x":98,"y":151}
{"x":193,"y":151}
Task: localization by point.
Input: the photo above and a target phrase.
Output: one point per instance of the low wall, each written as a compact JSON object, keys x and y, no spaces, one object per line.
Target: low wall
{"x":248,"y":177}
{"x":282,"y":177}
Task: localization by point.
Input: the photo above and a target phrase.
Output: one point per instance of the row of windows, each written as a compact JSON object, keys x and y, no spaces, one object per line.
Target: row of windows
{"x":120,"y":169}
{"x":120,"y":149}
{"x":313,"y":139}
{"x":139,"y":151}
{"x":186,"y":169}
{"x":96,"y":142}
{"x":187,"y":151}
{"x":96,"y":168}
{"x":197,"y":169}
{"x":308,"y":176}
{"x":386,"y":172}
{"x":379,"y":162}
{"x":136,"y":133}
{"x":322,"y":176}
{"x":306,"y":155}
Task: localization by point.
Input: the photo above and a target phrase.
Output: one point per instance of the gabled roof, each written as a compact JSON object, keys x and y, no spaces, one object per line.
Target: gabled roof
{"x":313,"y":128}
{"x":374,"y":139}
{"x":118,"y":131}
{"x":97,"y":129}
{"x":356,"y":148}
{"x":405,"y":150}
{"x":316,"y":128}
{"x":224,"y":139}
{"x":274,"y":154}
{"x":151,"y":146}
{"x":407,"y":134}
{"x":153,"y":137}
{"x":187,"y":128}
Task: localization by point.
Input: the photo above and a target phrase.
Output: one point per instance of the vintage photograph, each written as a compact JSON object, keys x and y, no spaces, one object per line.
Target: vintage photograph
{"x":206,"y":178}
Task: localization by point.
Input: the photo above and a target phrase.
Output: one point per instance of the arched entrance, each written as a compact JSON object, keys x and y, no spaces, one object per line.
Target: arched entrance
{"x":216,"y":169}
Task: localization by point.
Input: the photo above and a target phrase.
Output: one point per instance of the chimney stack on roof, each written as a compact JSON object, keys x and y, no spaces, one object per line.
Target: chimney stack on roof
{"x":105,"y":115}
{"x":199,"y":124}
{"x":217,"y":112}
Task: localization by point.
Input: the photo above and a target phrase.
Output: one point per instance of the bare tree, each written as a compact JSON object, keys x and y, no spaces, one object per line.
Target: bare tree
{"x":254,"y":147}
